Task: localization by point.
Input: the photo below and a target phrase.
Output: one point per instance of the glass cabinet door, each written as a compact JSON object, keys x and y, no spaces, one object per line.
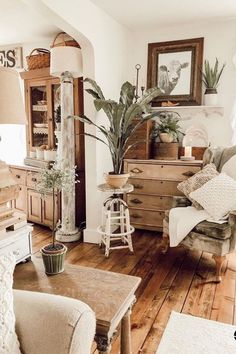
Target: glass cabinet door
{"x":39,"y":116}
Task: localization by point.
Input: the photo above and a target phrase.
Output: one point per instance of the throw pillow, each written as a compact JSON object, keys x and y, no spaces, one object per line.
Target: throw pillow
{"x":8,"y":339}
{"x":217,"y":196}
{"x":230,"y":167}
{"x":196,"y":181}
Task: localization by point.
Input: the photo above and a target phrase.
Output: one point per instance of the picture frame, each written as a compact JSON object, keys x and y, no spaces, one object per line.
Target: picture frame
{"x":175,"y":67}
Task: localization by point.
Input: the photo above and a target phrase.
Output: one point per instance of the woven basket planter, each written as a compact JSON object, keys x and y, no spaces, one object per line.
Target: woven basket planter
{"x":39,"y":58}
{"x":54,"y":260}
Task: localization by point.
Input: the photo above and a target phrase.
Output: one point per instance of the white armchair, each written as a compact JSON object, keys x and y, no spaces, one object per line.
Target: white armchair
{"x":53,"y":324}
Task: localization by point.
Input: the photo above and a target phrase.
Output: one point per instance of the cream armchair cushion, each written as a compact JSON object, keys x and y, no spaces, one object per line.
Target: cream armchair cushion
{"x":8,"y":340}
{"x":53,"y":324}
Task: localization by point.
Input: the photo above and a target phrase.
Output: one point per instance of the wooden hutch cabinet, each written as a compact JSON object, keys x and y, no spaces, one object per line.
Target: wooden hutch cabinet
{"x":42,"y":98}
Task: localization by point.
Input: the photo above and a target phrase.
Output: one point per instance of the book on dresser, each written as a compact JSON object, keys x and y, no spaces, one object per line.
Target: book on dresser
{"x":155,"y":183}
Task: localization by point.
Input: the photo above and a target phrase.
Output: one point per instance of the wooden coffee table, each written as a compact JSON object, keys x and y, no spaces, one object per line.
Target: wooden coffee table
{"x":110,"y":295}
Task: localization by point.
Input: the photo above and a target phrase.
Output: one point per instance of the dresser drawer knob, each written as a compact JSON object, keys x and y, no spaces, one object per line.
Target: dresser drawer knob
{"x":136,"y":201}
{"x":136,"y":170}
{"x":136,"y":216}
{"x":34,"y":179}
{"x":188,"y":173}
{"x":16,"y":252}
{"x":18,"y":176}
{"x":138,"y":186}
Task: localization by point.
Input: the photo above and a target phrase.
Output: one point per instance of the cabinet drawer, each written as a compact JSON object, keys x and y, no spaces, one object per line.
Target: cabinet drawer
{"x":21,"y":201}
{"x":20,"y":248}
{"x":151,"y":202}
{"x":19,"y":175}
{"x":171,"y":172}
{"x":146,"y":217}
{"x":32,"y":179}
{"x":151,"y":186}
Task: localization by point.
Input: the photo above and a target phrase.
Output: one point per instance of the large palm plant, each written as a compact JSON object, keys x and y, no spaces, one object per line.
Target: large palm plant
{"x":120,"y":115}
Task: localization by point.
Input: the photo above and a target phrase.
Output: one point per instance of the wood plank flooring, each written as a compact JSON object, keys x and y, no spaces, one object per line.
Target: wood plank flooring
{"x":176,"y":281}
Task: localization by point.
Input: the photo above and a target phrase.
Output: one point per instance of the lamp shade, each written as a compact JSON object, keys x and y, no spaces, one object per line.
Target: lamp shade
{"x":66,"y":58}
{"x":12,"y":109}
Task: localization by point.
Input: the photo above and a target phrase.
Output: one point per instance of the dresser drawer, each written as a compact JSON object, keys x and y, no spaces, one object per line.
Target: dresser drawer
{"x":146,"y":218}
{"x":32,"y":179}
{"x":162,"y":171}
{"x":19,"y":175}
{"x":151,"y":186}
{"x":151,"y":202}
{"x":20,"y":248}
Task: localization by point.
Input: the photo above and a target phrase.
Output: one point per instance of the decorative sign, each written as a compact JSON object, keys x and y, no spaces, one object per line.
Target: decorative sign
{"x":11,"y":57}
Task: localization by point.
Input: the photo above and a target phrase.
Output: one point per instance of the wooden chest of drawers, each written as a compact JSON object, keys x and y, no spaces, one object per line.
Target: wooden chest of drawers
{"x":155,"y":183}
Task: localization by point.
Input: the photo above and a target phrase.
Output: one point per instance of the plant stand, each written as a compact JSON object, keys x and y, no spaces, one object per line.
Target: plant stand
{"x":115,"y":220}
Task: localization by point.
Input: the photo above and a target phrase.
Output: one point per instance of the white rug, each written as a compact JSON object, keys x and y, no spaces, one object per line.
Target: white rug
{"x":185,"y":334}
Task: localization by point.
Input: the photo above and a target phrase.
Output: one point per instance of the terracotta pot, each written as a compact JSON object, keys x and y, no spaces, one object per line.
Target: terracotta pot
{"x":54,"y":259}
{"x":117,"y":181}
{"x":166,"y":137}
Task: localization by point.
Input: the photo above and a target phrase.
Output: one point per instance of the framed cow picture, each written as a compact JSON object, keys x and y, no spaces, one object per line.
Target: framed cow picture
{"x":175,"y":67}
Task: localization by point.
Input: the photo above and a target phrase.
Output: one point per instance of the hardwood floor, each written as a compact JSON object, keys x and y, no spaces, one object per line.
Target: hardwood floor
{"x":176,"y":281}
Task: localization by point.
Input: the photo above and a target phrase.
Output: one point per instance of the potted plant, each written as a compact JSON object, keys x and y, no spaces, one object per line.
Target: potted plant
{"x":167,"y":129}
{"x":122,"y":126}
{"x":57,"y":118}
{"x":210,"y":78}
{"x":52,"y":180}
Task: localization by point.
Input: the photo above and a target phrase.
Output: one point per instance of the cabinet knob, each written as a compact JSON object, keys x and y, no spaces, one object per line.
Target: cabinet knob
{"x":138,"y":186}
{"x":17,"y":176}
{"x":188,"y":173}
{"x":136,"y":201}
{"x":136,"y":216}
{"x":136,"y":170}
{"x":34,"y":179}
{"x":16,"y":252}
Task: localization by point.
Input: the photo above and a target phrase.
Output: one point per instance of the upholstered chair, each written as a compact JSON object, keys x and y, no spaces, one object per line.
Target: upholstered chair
{"x":214,"y":238}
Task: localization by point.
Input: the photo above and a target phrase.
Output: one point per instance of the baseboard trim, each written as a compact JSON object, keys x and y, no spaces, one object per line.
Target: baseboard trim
{"x":92,"y":236}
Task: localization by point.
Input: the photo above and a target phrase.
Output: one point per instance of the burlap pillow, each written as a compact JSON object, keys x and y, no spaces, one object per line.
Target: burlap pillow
{"x":197,"y":181}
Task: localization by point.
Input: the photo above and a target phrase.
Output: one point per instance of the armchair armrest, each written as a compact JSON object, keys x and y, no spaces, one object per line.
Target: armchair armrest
{"x":53,"y":324}
{"x":179,"y":201}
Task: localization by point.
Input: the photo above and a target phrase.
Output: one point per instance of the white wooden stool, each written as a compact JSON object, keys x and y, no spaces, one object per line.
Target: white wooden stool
{"x":115,"y":219}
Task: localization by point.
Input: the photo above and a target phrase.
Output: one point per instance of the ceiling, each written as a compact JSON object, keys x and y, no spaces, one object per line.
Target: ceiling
{"x":20,"y":24}
{"x":141,"y":14}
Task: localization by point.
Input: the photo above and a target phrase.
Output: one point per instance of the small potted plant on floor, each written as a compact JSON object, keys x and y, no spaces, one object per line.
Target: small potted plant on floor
{"x":210,"y":78}
{"x":52,"y":181}
{"x":122,"y":126}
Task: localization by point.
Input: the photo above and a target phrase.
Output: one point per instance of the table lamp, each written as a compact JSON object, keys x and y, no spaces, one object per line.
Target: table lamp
{"x":66,"y":63}
{"x":12,"y":111}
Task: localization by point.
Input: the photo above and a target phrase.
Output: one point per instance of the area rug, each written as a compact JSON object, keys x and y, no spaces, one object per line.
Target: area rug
{"x":186,"y":334}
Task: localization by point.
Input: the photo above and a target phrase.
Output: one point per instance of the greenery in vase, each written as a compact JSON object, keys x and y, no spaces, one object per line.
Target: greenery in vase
{"x":121,"y":116}
{"x":53,"y":180}
{"x":168,"y":123}
{"x":211,"y":75}
{"x":57,"y":114}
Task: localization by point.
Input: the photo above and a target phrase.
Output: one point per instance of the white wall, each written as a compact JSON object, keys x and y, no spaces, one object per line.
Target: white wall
{"x":220,"y":42}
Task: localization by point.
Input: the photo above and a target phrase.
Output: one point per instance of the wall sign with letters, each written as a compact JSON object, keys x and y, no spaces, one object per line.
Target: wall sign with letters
{"x":11,"y":57}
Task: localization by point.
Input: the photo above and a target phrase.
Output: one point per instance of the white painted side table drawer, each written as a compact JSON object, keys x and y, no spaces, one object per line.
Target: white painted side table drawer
{"x":18,"y":242}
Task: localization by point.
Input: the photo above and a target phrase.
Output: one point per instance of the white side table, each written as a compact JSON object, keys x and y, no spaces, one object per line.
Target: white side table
{"x":19,"y":242}
{"x":115,"y":219}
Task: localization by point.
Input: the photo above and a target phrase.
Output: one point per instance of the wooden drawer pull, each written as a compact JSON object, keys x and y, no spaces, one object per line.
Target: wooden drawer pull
{"x":136,"y":170}
{"x":17,"y":176}
{"x":138,"y":186}
{"x":188,"y":173}
{"x":136,"y":216}
{"x":136,"y":201}
{"x":34,"y":179}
